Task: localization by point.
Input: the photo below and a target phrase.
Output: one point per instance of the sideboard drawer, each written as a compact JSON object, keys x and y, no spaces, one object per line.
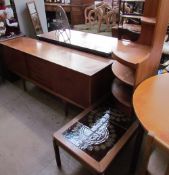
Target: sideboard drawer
{"x":40,"y":71}
{"x":72,"y":85}
{"x":15,"y":61}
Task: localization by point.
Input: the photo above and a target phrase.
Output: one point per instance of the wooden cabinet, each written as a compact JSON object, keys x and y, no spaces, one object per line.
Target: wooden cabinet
{"x":77,"y":10}
{"x":40,"y":71}
{"x":77,"y":15}
{"x":136,"y":61}
{"x":125,"y":69}
{"x":76,"y":77}
{"x":72,"y":85}
{"x":15,"y":61}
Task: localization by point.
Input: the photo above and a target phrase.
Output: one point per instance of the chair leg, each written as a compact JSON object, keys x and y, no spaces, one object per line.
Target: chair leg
{"x":147,"y":150}
{"x":108,"y":23}
{"x":99,"y":24}
{"x":167,"y":171}
{"x":57,"y":154}
{"x":137,"y":146}
{"x":24,"y":85}
{"x":66,"y":106}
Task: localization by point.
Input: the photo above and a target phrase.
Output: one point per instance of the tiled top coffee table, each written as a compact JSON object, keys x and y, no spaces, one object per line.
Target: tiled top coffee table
{"x":95,"y":136}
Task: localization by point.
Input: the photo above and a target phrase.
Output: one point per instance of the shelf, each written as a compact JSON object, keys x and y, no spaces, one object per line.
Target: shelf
{"x":123,"y":73}
{"x":148,"y":20}
{"x":131,"y":16}
{"x":131,"y":27}
{"x":130,"y":53}
{"x":132,"y":0}
{"x":122,"y":92}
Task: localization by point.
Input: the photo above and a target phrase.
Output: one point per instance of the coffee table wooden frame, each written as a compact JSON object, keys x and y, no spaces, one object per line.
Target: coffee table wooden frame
{"x":81,"y":156}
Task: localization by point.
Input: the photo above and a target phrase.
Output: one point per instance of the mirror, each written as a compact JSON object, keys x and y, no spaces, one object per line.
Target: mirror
{"x":35,"y":17}
{"x":9,"y":26}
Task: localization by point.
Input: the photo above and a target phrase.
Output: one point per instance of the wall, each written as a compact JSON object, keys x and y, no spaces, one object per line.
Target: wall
{"x":24,"y":17}
{"x":7,"y":2}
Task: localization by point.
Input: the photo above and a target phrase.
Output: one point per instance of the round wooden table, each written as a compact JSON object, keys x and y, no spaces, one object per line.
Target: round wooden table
{"x":151,"y":105}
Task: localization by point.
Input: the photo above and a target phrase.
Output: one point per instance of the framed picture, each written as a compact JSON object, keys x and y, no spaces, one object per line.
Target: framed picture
{"x":9,"y":25}
{"x":35,"y":17}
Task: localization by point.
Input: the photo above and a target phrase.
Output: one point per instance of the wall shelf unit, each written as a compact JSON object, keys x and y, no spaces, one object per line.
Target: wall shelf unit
{"x":128,"y":58}
{"x":130,"y":15}
{"x":139,"y":60}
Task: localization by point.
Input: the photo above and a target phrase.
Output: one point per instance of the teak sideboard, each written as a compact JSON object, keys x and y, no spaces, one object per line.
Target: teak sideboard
{"x":76,"y":77}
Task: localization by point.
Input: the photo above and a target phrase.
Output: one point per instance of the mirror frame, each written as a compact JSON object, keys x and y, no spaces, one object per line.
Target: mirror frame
{"x":34,"y":17}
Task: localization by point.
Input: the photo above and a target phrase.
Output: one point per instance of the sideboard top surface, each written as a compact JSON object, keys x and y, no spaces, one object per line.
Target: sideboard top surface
{"x":130,"y":52}
{"x":89,"y":42}
{"x":82,"y":62}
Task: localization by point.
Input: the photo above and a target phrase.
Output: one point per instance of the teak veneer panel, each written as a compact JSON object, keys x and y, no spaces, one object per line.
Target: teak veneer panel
{"x":124,"y":73}
{"x":151,"y":21}
{"x":40,"y":71}
{"x":122,"y":92}
{"x":126,"y":52}
{"x":130,"y":53}
{"x":150,"y":102}
{"x":18,"y":58}
{"x":151,"y":8}
{"x":122,"y":50}
{"x":85,"y":63}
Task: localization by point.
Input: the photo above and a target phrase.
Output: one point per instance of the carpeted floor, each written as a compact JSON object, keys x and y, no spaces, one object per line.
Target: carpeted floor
{"x":93,"y":29}
{"x":27,"y":122}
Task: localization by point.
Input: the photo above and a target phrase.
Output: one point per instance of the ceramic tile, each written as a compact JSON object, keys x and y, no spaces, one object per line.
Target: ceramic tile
{"x":99,"y":130}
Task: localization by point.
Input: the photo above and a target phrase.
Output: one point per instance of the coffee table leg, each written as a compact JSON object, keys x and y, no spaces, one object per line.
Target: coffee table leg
{"x":24,"y":85}
{"x":57,"y":154}
{"x":137,"y":146}
{"x":66,"y":108}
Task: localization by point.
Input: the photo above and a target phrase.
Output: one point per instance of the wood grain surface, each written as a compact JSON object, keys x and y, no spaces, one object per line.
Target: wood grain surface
{"x":150,"y":102}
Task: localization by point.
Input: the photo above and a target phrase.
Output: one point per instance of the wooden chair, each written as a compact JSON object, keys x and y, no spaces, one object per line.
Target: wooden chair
{"x":151,"y":144}
{"x":100,"y":13}
{"x":105,"y":13}
{"x":90,"y":13}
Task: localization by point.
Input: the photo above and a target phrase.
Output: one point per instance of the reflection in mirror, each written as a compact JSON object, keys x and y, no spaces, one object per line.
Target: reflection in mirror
{"x":61,"y":24}
{"x":9,"y":26}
